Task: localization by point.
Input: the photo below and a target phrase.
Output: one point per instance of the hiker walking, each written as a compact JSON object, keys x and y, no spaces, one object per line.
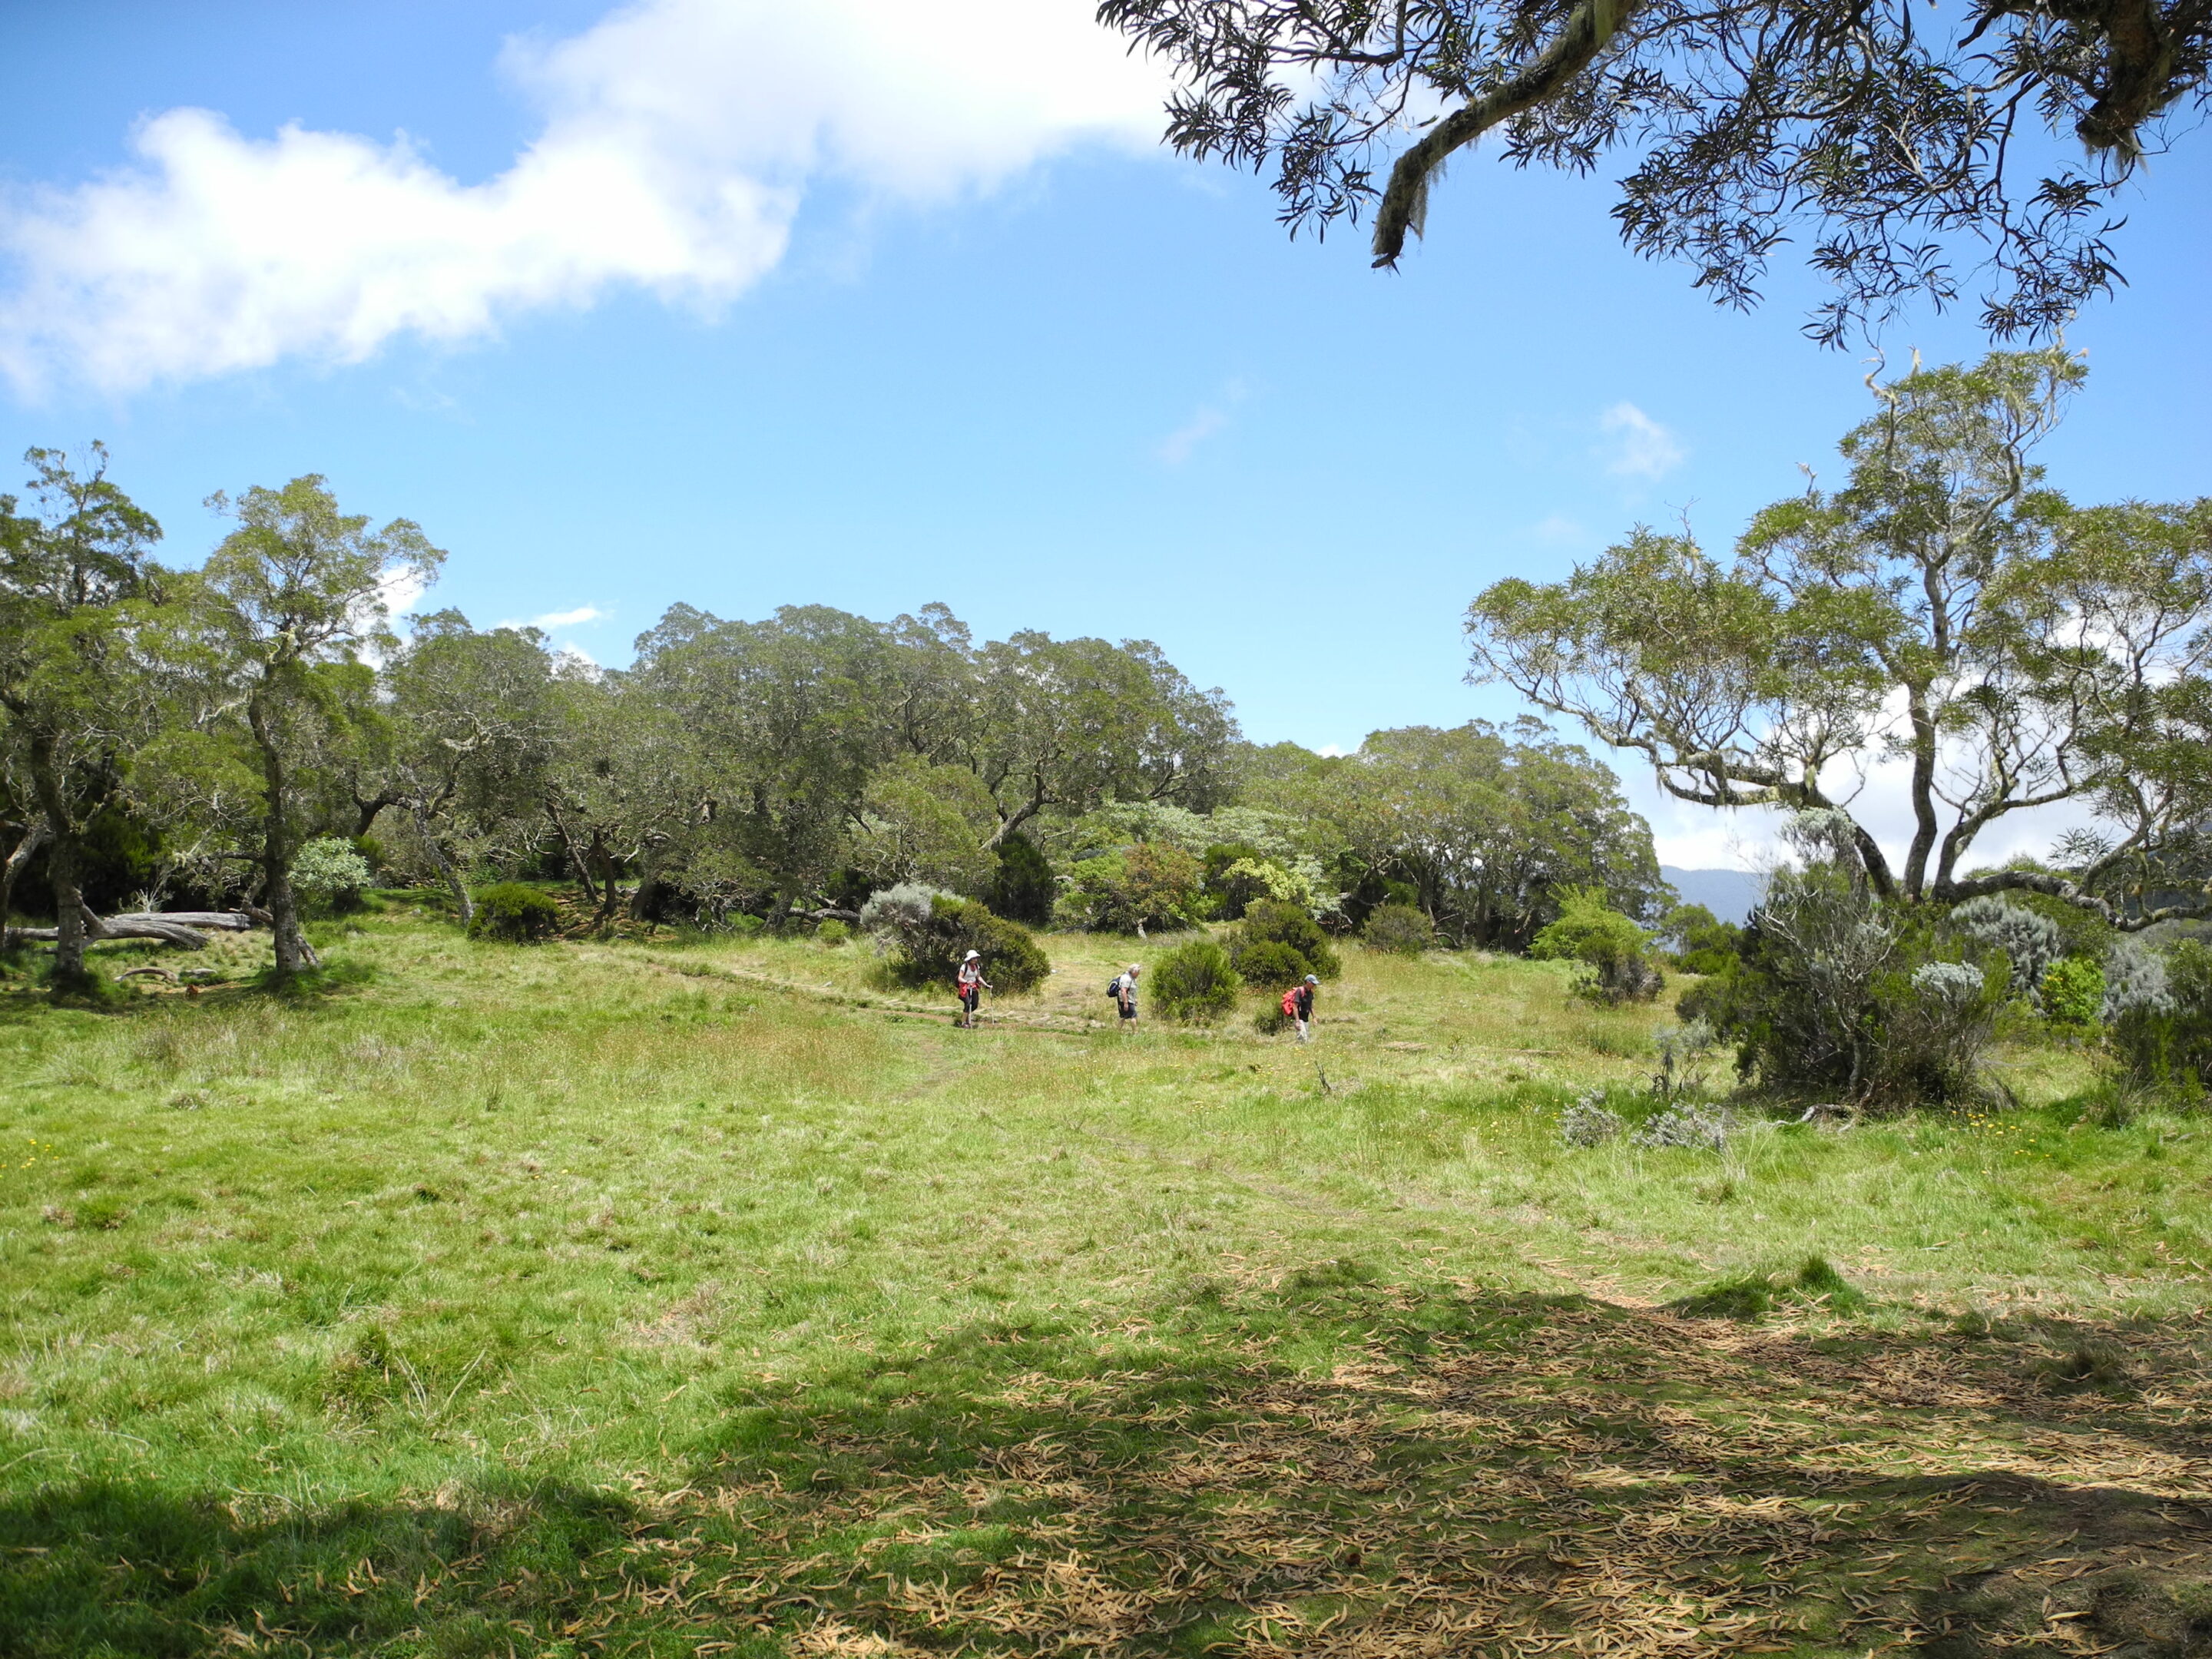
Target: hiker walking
{"x":1123,"y":990}
{"x":1297,"y":1006}
{"x":972,"y":985}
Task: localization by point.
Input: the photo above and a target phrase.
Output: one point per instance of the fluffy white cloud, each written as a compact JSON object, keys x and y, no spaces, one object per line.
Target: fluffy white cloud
{"x":1639,"y":447}
{"x":680,"y":137}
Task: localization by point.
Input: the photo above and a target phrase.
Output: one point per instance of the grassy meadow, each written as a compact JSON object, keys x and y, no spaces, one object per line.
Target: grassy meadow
{"x":679,"y":1296}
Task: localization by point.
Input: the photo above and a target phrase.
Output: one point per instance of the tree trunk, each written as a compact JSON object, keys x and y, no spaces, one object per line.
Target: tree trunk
{"x":294,"y":954}
{"x":34,"y":835}
{"x":365,"y":813}
{"x":576,"y":860}
{"x":70,"y":934}
{"x":609,"y":891}
{"x":61,"y":864}
{"x":454,"y":881}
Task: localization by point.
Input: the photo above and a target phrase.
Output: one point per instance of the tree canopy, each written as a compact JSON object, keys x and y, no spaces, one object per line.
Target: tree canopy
{"x":1890,"y":131}
{"x":1946,"y":610}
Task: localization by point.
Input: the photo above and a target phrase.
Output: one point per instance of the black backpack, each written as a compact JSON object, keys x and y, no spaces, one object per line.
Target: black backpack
{"x":1114,"y":988}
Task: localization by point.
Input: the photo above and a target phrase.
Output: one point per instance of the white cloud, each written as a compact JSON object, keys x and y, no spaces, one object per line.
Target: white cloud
{"x":1640,"y":447}
{"x":680,"y":137}
{"x":1205,"y":420}
{"x":1175,"y":449}
{"x":553,"y":619}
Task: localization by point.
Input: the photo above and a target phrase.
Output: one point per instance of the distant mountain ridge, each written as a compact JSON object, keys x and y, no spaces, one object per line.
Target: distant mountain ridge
{"x":1728,"y":894}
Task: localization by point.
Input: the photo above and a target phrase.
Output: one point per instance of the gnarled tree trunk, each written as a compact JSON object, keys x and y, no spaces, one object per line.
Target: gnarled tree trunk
{"x":294,"y":954}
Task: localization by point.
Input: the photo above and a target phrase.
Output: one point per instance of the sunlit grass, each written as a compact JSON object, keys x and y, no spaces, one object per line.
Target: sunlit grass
{"x":477,"y":1223}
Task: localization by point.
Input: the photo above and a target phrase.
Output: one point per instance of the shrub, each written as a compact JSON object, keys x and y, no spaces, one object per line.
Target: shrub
{"x":2160,"y":1006}
{"x":1689,"y":1125}
{"x":1194,"y":983}
{"x":1270,"y":963}
{"x":1836,"y":991}
{"x":2073,"y":991}
{"x":897,"y":916}
{"x":832,"y":932}
{"x":1151,"y":885}
{"x":1277,"y":943}
{"x":1587,"y":1122}
{"x":512,"y":911}
{"x":330,"y":876}
{"x":2031,"y":942}
{"x":1614,"y":952}
{"x":930,"y":951}
{"x":1401,"y":929}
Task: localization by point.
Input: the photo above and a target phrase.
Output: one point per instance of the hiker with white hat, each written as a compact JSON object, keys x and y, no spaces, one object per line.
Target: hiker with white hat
{"x":972,"y":985}
{"x":1297,"y":1006}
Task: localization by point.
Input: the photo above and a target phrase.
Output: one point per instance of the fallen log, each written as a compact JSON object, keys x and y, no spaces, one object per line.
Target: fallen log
{"x":178,"y":927}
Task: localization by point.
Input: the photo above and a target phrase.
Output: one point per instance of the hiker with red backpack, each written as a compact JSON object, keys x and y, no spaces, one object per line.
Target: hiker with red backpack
{"x":971,"y":985}
{"x":1297,"y":1006}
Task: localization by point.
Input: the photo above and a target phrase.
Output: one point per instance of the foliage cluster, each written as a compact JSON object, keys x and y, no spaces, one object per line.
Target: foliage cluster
{"x":514,"y":911}
{"x":1196,"y":983}
{"x":1277,"y":944}
{"x":1614,"y":953}
{"x":928,"y":933}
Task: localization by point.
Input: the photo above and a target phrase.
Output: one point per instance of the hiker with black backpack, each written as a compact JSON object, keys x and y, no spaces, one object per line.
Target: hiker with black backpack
{"x":1123,"y":989}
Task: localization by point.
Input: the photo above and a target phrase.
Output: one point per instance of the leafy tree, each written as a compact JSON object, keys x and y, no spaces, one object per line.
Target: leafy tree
{"x":1885,"y":128}
{"x":1067,"y":723}
{"x":625,"y":784}
{"x":75,"y":700}
{"x":1023,"y":887}
{"x":282,"y":606}
{"x":1943,"y":608}
{"x":927,"y":822}
{"x":1134,"y":889}
{"x":474,"y":726}
{"x":1485,"y":824}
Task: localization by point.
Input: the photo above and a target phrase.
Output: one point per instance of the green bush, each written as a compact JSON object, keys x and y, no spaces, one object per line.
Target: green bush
{"x":1837,"y":992}
{"x":930,"y":949}
{"x":1194,"y":983}
{"x":1023,"y":888}
{"x":2160,"y":1006}
{"x":832,"y":933}
{"x":1401,"y":929}
{"x":1277,"y":943}
{"x":2073,"y":991}
{"x":1614,"y":952}
{"x":1703,"y":943}
{"x":329,"y":876}
{"x":510,"y":910}
{"x":1151,"y":885}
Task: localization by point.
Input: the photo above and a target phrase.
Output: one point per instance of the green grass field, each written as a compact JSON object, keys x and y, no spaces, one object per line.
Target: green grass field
{"x":675,"y":1297}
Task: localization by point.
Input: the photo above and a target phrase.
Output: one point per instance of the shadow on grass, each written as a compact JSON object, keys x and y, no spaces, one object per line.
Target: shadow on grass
{"x":1471,"y":1474}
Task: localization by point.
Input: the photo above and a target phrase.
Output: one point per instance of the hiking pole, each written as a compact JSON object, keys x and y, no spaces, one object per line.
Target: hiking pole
{"x":1322,"y":1075}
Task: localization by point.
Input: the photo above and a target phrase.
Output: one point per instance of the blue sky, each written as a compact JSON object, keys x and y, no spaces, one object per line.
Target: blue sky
{"x":694,"y":301}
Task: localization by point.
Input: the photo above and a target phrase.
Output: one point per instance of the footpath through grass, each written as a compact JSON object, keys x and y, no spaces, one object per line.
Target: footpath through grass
{"x":669,"y":1297}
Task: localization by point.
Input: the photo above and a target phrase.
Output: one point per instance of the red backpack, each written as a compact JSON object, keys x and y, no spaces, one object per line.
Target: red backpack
{"x":1291,"y":1002}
